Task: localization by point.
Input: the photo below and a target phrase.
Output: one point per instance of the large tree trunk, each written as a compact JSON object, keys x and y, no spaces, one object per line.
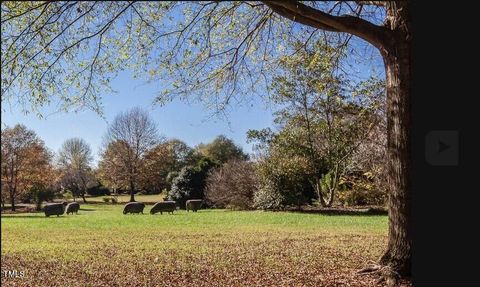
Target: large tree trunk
{"x":38,"y":205}
{"x":84,"y":190}
{"x":330,"y":197}
{"x":332,"y":186}
{"x":397,"y":59}
{"x":318,"y":189}
{"x":397,"y":258}
{"x":330,"y":192}
{"x":132,"y":190}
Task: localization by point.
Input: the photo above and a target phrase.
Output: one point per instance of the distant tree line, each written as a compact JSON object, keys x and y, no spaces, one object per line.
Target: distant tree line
{"x":134,"y":158}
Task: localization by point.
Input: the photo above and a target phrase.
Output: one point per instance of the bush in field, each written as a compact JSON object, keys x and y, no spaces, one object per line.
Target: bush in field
{"x":232,"y":185}
{"x":363,"y":197}
{"x":283,"y":181}
{"x":267,"y":197}
{"x":190,"y":182}
{"x":362,"y":189}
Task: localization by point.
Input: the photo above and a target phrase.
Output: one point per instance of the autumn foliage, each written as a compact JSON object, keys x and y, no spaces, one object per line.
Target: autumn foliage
{"x":26,"y":163}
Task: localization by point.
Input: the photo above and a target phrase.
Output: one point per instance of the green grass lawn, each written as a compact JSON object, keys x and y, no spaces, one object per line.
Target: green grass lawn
{"x":102,"y":247}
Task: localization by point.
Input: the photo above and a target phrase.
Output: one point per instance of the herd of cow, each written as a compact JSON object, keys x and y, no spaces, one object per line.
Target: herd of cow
{"x":131,"y":207}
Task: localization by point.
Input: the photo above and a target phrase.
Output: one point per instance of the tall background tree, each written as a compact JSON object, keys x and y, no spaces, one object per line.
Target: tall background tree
{"x":25,"y":162}
{"x":111,"y":170}
{"x":323,"y":118}
{"x":133,"y":133}
{"x":75,"y":159}
{"x":215,"y":51}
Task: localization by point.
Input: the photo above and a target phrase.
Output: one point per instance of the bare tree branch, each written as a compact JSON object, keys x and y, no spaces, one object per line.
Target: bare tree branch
{"x":374,"y":3}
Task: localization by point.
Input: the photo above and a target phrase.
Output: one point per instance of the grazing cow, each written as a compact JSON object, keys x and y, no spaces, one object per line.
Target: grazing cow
{"x":54,"y":209}
{"x":134,"y":207}
{"x":72,"y":207}
{"x":163,"y":206}
{"x":193,"y":204}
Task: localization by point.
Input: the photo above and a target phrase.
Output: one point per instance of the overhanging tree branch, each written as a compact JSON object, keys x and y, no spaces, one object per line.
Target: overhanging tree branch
{"x":301,"y":13}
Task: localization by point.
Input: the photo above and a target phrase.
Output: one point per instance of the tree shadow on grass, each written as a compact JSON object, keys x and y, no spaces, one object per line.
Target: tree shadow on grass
{"x":29,"y":216}
{"x":342,"y":211}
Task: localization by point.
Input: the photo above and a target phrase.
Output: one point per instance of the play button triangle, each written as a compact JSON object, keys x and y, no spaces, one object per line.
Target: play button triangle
{"x":442,"y":146}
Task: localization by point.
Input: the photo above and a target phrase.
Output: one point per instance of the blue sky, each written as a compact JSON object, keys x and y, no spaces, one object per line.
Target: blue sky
{"x":190,"y":123}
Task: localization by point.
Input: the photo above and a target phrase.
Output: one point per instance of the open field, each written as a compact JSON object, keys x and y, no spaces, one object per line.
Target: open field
{"x":102,"y":247}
